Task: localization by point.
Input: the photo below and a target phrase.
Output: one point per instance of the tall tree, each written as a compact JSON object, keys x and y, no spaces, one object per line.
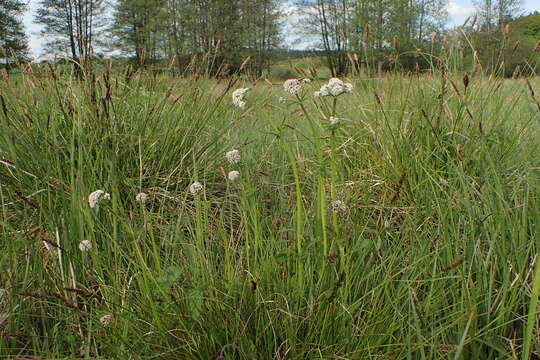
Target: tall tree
{"x":493,"y":14}
{"x":332,"y":20}
{"x":369,"y":26}
{"x":138,"y":26}
{"x":486,"y":14}
{"x":218,"y":32}
{"x":70,"y":27}
{"x":506,"y":10}
{"x":428,"y":16}
{"x":13,"y":40}
{"x":258,"y":28}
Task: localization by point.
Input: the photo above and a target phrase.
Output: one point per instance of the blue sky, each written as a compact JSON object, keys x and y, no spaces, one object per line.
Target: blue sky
{"x":458,"y":11}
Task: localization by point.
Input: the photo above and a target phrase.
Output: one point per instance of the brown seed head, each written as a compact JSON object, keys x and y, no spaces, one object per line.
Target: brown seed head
{"x":396,"y":43}
{"x":506,"y":29}
{"x":459,"y":152}
{"x":516,"y":72}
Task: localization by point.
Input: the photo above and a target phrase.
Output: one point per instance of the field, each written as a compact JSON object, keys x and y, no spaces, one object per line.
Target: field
{"x":405,"y":229}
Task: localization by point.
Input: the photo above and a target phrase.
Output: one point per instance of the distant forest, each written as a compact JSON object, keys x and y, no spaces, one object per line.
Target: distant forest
{"x":220,"y":37}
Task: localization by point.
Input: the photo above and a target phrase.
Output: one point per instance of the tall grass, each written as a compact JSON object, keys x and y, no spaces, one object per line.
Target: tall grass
{"x":434,"y":256}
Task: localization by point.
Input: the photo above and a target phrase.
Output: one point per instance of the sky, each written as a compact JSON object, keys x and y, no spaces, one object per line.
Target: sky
{"x":458,"y":11}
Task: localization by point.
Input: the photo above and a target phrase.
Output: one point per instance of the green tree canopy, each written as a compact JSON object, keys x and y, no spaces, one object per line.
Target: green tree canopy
{"x":13,"y":40}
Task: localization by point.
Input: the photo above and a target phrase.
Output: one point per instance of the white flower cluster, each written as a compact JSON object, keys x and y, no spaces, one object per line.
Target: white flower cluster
{"x":334,"y":87}
{"x":238,"y":97}
{"x":85,"y":245}
{"x":233,"y":156}
{"x":141,"y":198}
{"x":292,"y":86}
{"x":195,"y":188}
{"x":334,"y":120}
{"x":338,"y":206}
{"x":95,"y":197}
{"x":233,"y":175}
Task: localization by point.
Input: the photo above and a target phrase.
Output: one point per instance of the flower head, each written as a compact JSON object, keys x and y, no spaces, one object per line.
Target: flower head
{"x":233,"y":175}
{"x":233,"y":156}
{"x":334,"y":87}
{"x":141,"y":198}
{"x":106,"y":320}
{"x":238,"y":97}
{"x":306,"y":81}
{"x":85,"y":245}
{"x":195,"y":188}
{"x":292,"y":86}
{"x":95,"y":197}
{"x":338,"y":206}
{"x":334,"y":120}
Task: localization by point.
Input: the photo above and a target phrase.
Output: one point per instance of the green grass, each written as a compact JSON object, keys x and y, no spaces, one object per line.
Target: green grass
{"x":286,"y":69}
{"x":434,"y":256}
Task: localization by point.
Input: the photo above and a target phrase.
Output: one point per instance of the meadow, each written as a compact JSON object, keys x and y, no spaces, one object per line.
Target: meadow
{"x":397,"y":221}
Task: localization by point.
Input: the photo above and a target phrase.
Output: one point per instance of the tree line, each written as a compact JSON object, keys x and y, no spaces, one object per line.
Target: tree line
{"x":368,"y":27}
{"x":13,"y":40}
{"x":221,"y":33}
{"x":226,"y":36}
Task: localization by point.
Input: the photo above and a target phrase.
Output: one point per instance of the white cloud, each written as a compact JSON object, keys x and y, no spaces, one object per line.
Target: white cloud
{"x":295,"y":35}
{"x":33,"y":30}
{"x":458,"y":13}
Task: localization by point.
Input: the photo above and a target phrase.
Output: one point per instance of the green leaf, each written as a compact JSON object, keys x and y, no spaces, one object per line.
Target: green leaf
{"x":195,"y":303}
{"x":169,"y":276}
